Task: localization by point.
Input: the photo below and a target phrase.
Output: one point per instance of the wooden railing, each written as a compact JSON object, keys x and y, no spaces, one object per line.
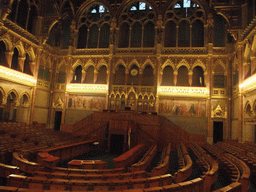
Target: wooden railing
{"x":163,"y":165}
{"x":145,"y":162}
{"x":185,"y":163}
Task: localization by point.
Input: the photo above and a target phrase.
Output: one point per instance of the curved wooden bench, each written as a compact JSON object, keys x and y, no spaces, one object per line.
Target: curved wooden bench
{"x":163,"y":166}
{"x":145,"y":162}
{"x":186,"y":170}
{"x":244,"y":171}
{"x":70,"y":151}
{"x":23,"y":164}
{"x":208,"y":165}
{"x":129,"y":157}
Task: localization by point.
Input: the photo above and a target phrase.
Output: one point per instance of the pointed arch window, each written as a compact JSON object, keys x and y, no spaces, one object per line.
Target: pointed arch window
{"x":124,"y":35}
{"x":149,"y":34}
{"x":137,"y":26}
{"x":167,"y":78}
{"x":15,"y":60}
{"x":94,"y":27}
{"x":89,"y":78}
{"x":197,"y":34}
{"x":182,"y":79}
{"x":93,"y":36}
{"x":2,"y":54}
{"x":136,"y":35}
{"x":120,"y":75}
{"x":198,"y":77}
{"x":78,"y":75}
{"x":102,"y":75}
{"x":82,"y":37}
{"x":27,"y":68}
{"x":148,"y":76}
{"x":170,"y":34}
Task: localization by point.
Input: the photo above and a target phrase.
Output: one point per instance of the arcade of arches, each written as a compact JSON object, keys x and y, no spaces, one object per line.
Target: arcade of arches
{"x":193,"y":62}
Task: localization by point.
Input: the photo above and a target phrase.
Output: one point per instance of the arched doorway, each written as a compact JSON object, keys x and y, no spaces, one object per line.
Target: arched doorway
{"x":10,"y":110}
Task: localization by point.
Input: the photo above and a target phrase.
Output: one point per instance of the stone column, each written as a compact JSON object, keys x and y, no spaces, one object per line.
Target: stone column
{"x":8,"y":56}
{"x":21,"y":63}
{"x":83,"y":76}
{"x":95,"y":76}
{"x":126,"y":76}
{"x":175,"y":77}
{"x":208,"y":102}
{"x":190,"y":79}
{"x":240,"y":96}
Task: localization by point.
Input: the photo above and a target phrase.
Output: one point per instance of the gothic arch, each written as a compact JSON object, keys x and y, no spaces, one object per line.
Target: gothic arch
{"x":220,"y":62}
{"x":125,"y":4}
{"x":89,"y":63}
{"x":254,"y":106}
{"x":225,"y":17}
{"x":31,"y":53}
{"x":248,"y":109}
{"x":199,"y":63}
{"x":119,"y":62}
{"x":27,"y":95}
{"x":19,"y":46}
{"x":3,"y":96}
{"x":7,"y":41}
{"x":133,"y":62}
{"x":204,"y":6}
{"x":16,"y":95}
{"x":183,"y":62}
{"x":76,"y":64}
{"x":62,"y":63}
{"x":88,"y":4}
{"x":148,"y":62}
{"x":71,"y":5}
{"x":51,"y":26}
{"x":102,"y":62}
{"x":168,"y":62}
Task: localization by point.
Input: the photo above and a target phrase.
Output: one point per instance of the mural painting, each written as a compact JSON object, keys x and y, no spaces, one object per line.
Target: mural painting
{"x":93,"y":103}
{"x":183,"y":108}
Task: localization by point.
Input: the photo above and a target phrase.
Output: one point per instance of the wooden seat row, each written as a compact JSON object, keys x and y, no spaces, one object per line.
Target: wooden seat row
{"x":128,"y":158}
{"x":51,"y":156}
{"x":163,"y":165}
{"x":236,"y":151}
{"x":208,"y":166}
{"x":23,"y":164}
{"x":188,"y":186}
{"x":87,"y":171}
{"x":244,"y":171}
{"x":145,"y":162}
{"x":237,"y":170}
{"x":90,"y":176}
{"x":42,"y":183}
{"x":185,"y":163}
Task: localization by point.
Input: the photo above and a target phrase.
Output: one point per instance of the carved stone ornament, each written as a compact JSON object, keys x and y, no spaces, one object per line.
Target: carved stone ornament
{"x":58,"y":103}
{"x":218,"y":112}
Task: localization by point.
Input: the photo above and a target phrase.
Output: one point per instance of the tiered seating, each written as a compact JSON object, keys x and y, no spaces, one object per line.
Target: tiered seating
{"x":236,"y":169}
{"x":128,"y":158}
{"x":55,"y":182}
{"x":145,"y":162}
{"x":185,"y":164}
{"x":163,"y":165}
{"x":249,"y":158}
{"x":207,"y":164}
{"x":135,"y":178}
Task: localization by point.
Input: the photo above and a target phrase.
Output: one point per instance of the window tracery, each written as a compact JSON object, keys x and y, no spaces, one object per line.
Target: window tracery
{"x":94,"y":27}
{"x":137,"y":26}
{"x":184,"y":24}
